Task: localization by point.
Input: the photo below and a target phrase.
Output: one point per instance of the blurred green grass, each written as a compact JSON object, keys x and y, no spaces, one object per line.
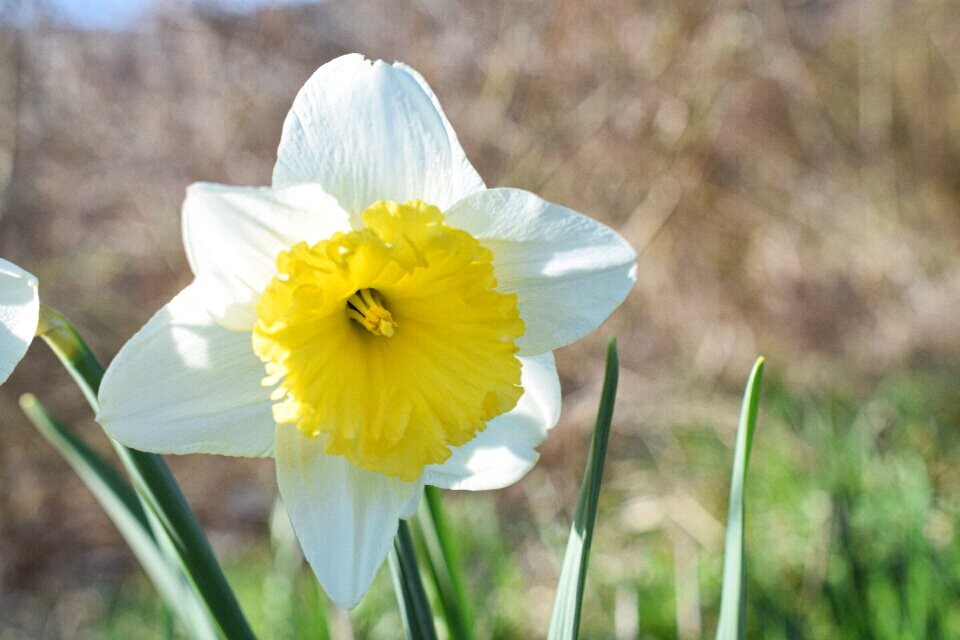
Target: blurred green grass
{"x":852,"y":513}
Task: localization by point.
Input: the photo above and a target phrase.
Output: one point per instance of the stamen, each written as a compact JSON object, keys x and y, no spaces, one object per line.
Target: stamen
{"x":367,"y":296}
{"x":366,"y":308}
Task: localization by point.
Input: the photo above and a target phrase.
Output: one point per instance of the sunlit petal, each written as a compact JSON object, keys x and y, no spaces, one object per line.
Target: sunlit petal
{"x":234,"y":234}
{"x":19,"y":310}
{"x":569,"y":271}
{"x":345,"y":517}
{"x":184,"y":384}
{"x":369,"y":131}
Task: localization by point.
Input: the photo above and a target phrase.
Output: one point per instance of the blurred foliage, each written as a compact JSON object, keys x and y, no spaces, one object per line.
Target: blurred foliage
{"x":852,"y":512}
{"x":854,"y":528}
{"x":865,"y":546}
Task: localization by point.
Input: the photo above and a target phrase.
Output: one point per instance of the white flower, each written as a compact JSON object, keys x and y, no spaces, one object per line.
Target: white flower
{"x":377,"y":320}
{"x":19,"y":312}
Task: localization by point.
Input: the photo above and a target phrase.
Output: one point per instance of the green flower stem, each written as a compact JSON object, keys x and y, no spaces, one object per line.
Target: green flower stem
{"x":414,"y":607}
{"x":446,"y":568}
{"x":155,"y":485}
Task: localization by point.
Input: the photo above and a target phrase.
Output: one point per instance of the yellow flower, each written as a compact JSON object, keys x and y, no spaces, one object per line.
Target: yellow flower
{"x":377,"y":320}
{"x":19,"y":311}
{"x":391,"y":342}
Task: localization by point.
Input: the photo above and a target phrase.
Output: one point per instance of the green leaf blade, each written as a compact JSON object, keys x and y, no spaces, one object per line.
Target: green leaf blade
{"x":733,"y":598}
{"x":565,"y":621}
{"x":120,"y":503}
{"x":411,"y":597}
{"x":155,"y":485}
{"x":445,"y":567}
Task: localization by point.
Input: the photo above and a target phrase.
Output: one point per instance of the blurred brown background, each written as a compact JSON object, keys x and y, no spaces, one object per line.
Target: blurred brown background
{"x":788,"y":171}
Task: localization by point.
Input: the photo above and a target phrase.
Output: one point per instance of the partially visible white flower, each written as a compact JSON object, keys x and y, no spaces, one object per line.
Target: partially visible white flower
{"x":19,"y":313}
{"x":377,"y":320}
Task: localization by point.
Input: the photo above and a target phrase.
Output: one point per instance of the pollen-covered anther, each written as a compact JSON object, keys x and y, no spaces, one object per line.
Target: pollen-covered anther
{"x":366,"y":307}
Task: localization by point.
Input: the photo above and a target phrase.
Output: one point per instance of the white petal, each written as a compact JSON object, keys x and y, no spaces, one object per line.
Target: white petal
{"x":369,"y":131}
{"x":345,"y":517}
{"x":234,"y":234}
{"x":506,"y":450}
{"x":19,"y":310}
{"x":569,"y":271}
{"x":184,"y":384}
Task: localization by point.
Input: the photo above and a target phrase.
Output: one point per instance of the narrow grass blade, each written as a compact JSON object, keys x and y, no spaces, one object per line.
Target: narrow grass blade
{"x":565,"y":622}
{"x":121,"y":504}
{"x":414,"y":607}
{"x":446,"y":569}
{"x":733,"y":605}
{"x":154,"y":484}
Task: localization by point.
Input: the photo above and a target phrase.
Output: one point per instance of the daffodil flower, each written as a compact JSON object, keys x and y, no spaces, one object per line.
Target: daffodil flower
{"x":19,"y":313}
{"x":377,"y":320}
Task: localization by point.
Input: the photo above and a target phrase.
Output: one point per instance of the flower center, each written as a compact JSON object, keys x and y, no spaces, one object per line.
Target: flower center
{"x":366,"y":308}
{"x":449,"y":366}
